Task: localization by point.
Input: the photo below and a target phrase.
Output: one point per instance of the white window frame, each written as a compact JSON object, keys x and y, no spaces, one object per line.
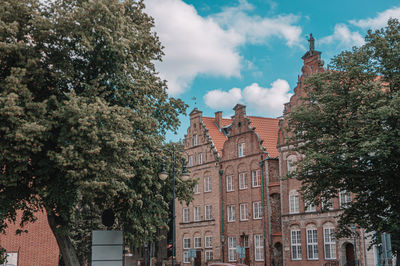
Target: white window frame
{"x":229,"y":183}
{"x":294,"y":202}
{"x":295,"y":244}
{"x":207,"y":184}
{"x":291,"y":161}
{"x":231,"y":213}
{"x":186,"y":243}
{"x":329,"y":243}
{"x":243,"y":180}
{"x":231,"y":249}
{"x":190,"y":160}
{"x":257,"y":210}
{"x":241,"y":149}
{"x":186,"y":215}
{"x":208,"y":241}
{"x":197,"y":242}
{"x":197,"y":188}
{"x":309,"y":207}
{"x":258,"y":248}
{"x":344,"y":199}
{"x":196,"y":213}
{"x":209,"y":255}
{"x":208,"y":212}
{"x":256,"y":178}
{"x":195,"y":140}
{"x":200,"y":159}
{"x":186,"y":257}
{"x":328,"y":205}
{"x":244,"y":212}
{"x":312,"y":243}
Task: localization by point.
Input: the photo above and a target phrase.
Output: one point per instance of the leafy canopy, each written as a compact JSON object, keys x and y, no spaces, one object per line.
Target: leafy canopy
{"x":349,"y":130}
{"x":83,"y":115}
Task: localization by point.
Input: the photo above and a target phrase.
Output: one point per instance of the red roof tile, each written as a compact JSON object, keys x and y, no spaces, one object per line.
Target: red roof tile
{"x":216,"y":135}
{"x":267,"y":130}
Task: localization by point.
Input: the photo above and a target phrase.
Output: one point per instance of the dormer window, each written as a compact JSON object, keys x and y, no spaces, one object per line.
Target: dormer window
{"x":194,"y":140}
{"x":241,"y":149}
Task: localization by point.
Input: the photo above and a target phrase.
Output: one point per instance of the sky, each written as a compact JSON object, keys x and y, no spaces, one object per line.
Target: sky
{"x":219,"y":53}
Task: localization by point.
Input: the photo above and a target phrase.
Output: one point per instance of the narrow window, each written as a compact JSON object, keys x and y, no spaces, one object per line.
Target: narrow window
{"x":231,"y":213}
{"x":241,"y":149}
{"x":208,"y":241}
{"x":194,"y":140}
{"x":244,"y":212}
{"x":257,"y":210}
{"x":186,"y":215}
{"x":329,"y":243}
{"x":197,"y":242}
{"x":207,"y":184}
{"x":293,"y":202}
{"x":312,"y":244}
{"x":258,"y":248}
{"x":208,"y":212}
{"x":295,"y":244}
{"x":231,"y":249}
{"x":242,"y":180}
{"x":255,"y":178}
{"x":229,"y":183}
{"x":196,"y":214}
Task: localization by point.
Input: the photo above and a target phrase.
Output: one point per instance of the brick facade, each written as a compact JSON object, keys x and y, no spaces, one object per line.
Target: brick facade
{"x":305,"y":231}
{"x":37,"y":247}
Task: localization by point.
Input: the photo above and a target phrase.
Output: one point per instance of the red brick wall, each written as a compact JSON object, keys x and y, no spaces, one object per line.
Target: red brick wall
{"x":38,"y":247}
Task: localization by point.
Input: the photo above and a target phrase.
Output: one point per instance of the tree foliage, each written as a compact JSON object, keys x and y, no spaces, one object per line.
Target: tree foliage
{"x":348,"y":128}
{"x":83,"y":115}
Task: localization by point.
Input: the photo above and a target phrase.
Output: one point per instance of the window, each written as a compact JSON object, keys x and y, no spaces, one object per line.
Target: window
{"x":208,"y":241}
{"x":11,"y":259}
{"x":327,"y":204}
{"x":231,"y":249}
{"x":310,"y":207}
{"x":186,"y":215}
{"x":242,"y":180}
{"x":197,"y":188}
{"x":208,"y":212}
{"x":295,"y":244}
{"x":344,"y":198}
{"x":291,"y":164}
{"x":257,"y":210}
{"x":244,"y":212}
{"x":190,"y":160}
{"x":186,"y":257}
{"x":258,"y":248}
{"x":246,"y":241}
{"x":200,"y":159}
{"x":207,"y":184}
{"x":312,"y":244}
{"x":194,"y":140}
{"x":209,"y":255}
{"x":255,"y":178}
{"x":186,"y":243}
{"x":196,"y":214}
{"x":329,"y":243}
{"x":231,"y":213}
{"x":240,"y":149}
{"x":197,"y":242}
{"x":294,"y":202}
{"x":229,"y":183}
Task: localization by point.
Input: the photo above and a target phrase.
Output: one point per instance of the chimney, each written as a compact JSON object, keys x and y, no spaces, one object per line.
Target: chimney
{"x":218,"y":119}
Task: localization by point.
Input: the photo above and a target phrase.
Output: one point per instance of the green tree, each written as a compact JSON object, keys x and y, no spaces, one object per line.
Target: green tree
{"x":348,"y":128}
{"x":83,"y":116}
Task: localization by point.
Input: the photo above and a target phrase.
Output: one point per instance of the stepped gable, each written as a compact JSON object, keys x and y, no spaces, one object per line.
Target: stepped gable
{"x":267,"y":130}
{"x":217,"y":136}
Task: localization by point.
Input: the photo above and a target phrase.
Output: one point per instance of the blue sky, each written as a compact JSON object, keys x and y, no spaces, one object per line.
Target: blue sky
{"x":226,"y":52}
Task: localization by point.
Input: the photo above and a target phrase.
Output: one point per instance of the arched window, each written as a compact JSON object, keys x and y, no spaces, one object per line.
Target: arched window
{"x":312,"y":242}
{"x":329,"y":241}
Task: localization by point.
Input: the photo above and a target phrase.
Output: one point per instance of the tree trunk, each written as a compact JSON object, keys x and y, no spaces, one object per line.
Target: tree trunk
{"x":67,"y":250}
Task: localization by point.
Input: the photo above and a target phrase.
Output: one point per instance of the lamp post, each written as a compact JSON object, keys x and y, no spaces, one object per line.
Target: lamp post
{"x":184,"y":177}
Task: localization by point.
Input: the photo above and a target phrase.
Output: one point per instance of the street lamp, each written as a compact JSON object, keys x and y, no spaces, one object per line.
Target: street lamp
{"x":184,"y":177}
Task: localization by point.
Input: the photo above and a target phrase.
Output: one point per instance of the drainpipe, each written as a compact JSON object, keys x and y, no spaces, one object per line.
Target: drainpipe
{"x":222,"y":217}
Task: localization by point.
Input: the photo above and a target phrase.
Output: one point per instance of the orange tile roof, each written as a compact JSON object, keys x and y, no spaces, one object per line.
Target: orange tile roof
{"x":217,"y":136}
{"x":267,"y":130}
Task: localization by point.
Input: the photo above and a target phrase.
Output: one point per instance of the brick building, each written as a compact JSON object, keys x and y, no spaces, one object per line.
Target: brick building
{"x":37,"y":247}
{"x":251,"y":140}
{"x":307,"y":230}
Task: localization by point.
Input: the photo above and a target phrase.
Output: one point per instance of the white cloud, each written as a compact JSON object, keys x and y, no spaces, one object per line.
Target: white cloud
{"x":193,"y":45}
{"x":268,"y":100}
{"x":196,"y":45}
{"x":220,"y":100}
{"x":379,"y":21}
{"x":258,"y":30}
{"x":264,"y":101}
{"x":344,"y":37}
